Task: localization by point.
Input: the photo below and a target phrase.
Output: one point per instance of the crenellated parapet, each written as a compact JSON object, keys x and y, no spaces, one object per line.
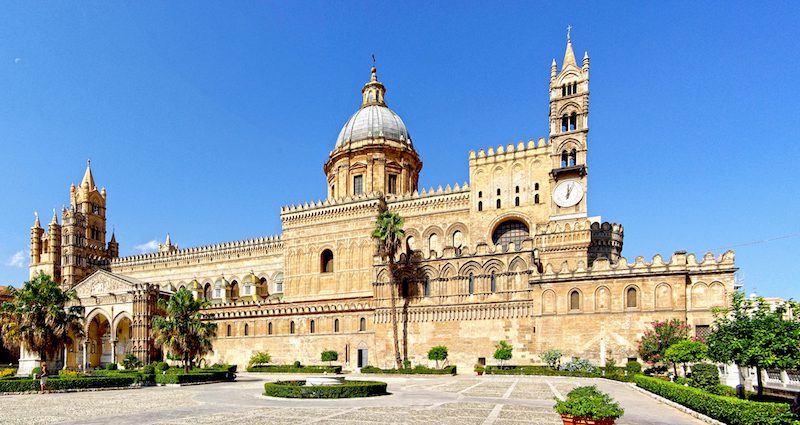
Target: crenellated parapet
{"x":680,"y":262}
{"x":260,"y":246}
{"x":448,"y":197}
{"x":500,"y":154}
{"x":346,"y":207}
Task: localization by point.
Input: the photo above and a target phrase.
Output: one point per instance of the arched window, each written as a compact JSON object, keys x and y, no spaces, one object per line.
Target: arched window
{"x":426,"y":287}
{"x":312,"y":327}
{"x":458,"y":239}
{"x":510,"y":231}
{"x":631,"y":298}
{"x":516,"y":189}
{"x":498,"y":204}
{"x":564,"y":123}
{"x":269,"y":328}
{"x":279,"y":283}
{"x":326,"y":261}
{"x":563,"y":90}
{"x":564,"y":158}
{"x":480,"y":194}
{"x":207,"y":292}
{"x":433,"y":242}
{"x":291,"y":327}
{"x":573,"y":121}
{"x":362,"y":324}
{"x":516,"y":201}
{"x":234,"y":291}
{"x":229,"y":330}
{"x":574,"y":300}
{"x":493,"y":283}
{"x":573,"y":157}
{"x":480,"y":205}
{"x":574,"y":88}
{"x":336,"y":325}
{"x":471,"y":284}
{"x":498,"y":191}
{"x":246,"y":329}
{"x":536,"y":198}
{"x":536,"y":186}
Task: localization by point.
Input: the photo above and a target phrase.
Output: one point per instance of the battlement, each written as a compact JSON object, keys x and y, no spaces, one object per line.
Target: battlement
{"x":603,"y":268}
{"x":491,"y":154}
{"x":270,"y":244}
{"x":350,"y":205}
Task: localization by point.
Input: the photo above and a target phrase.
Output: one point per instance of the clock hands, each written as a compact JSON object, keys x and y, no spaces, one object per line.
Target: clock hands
{"x":569,"y":189}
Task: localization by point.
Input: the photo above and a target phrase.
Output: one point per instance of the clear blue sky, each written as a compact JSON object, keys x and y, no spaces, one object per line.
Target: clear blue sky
{"x":202,"y":119}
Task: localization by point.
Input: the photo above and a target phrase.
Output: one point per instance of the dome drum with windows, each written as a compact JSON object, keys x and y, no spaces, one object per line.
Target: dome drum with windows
{"x":373,"y":152}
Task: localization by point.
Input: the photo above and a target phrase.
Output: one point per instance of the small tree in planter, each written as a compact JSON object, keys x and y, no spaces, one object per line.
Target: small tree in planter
{"x":330,"y":356}
{"x":503,"y":352}
{"x":479,"y":368}
{"x":437,"y":354}
{"x":587,"y":405}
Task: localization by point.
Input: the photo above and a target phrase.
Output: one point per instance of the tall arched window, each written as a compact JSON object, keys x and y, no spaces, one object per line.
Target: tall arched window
{"x":234,"y":291}
{"x":574,"y":300}
{"x":335,"y":325}
{"x":229,"y":330}
{"x":631,"y":298}
{"x":312,"y":327}
{"x":269,"y":328}
{"x":493,"y":283}
{"x":536,"y":186}
{"x":564,"y":123}
{"x":564,"y":158}
{"x":291,"y":327}
{"x":207,"y":292}
{"x":536,"y":198}
{"x":362,"y":324}
{"x":573,"y":121}
{"x":498,"y":204}
{"x":516,"y":201}
{"x":326,"y":261}
{"x":516,"y":189}
{"x":471,"y":284}
{"x":498,"y":191}
{"x":426,"y":287}
{"x":573,"y":157}
{"x":246,"y":329}
{"x":480,"y":205}
{"x":279,"y":283}
{"x":510,"y":231}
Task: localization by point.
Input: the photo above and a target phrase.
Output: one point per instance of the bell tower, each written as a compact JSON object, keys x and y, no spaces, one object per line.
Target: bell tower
{"x":569,"y":127}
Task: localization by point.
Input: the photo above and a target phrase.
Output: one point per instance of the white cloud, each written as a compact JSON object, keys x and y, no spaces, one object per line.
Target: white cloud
{"x":147,"y":247}
{"x":17,"y":259}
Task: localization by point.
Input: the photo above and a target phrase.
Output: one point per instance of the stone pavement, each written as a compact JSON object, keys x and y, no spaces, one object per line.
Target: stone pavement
{"x":459,"y":400}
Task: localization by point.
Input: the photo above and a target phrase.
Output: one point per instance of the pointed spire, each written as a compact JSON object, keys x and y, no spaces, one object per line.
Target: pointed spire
{"x":113,"y":237}
{"x":569,"y":56}
{"x":37,"y":224}
{"x":374,"y":91}
{"x":88,"y":180}
{"x":553,"y":70}
{"x":168,"y":242}
{"x":586,"y":59}
{"x":55,"y":217}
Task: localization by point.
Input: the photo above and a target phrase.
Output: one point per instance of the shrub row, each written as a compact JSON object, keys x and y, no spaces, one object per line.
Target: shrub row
{"x":28,"y":384}
{"x":729,"y":410}
{"x":416,"y":370}
{"x":193,"y":377}
{"x":294,"y":369}
{"x":298,"y":389}
{"x":535,"y":370}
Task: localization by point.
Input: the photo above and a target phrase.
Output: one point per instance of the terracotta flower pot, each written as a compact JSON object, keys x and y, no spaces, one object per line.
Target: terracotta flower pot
{"x":575,"y":420}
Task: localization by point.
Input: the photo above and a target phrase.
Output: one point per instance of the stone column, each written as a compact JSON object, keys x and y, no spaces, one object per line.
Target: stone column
{"x":113,"y":351}
{"x":66,"y":353}
{"x":85,"y":354}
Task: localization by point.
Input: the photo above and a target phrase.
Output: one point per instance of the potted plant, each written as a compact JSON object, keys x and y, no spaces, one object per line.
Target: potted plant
{"x":588,"y":406}
{"x":479,"y":368}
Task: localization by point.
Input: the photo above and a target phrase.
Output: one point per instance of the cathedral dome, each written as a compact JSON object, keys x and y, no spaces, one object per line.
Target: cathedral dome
{"x":374,"y":120}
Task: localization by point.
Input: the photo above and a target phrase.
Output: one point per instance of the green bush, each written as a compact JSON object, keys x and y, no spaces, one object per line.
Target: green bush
{"x":111,"y":366}
{"x":729,"y":410}
{"x":55,"y":383}
{"x":161,"y":367}
{"x":438,"y":354}
{"x":298,"y":389}
{"x":589,"y":403}
{"x":537,"y":370}
{"x":36,"y":371}
{"x":259,"y":358}
{"x":131,"y":362}
{"x":416,"y":370}
{"x":704,"y":376}
{"x":149,"y":369}
{"x":295,"y":369}
{"x":578,"y":364}
{"x":297,"y":363}
{"x":194,"y":376}
{"x":552,"y":358}
{"x":329,"y":356}
{"x":503,"y":352}
{"x":633,"y":367}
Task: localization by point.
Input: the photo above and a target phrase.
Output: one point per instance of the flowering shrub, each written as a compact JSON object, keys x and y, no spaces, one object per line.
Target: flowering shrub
{"x":655,"y":341}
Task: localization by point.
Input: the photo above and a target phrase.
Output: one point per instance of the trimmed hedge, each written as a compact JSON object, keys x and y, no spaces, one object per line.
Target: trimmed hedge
{"x":535,"y":370}
{"x":280,"y":368}
{"x":416,"y":370}
{"x":729,"y":410}
{"x":194,"y":377}
{"x":28,"y":384}
{"x":298,"y":389}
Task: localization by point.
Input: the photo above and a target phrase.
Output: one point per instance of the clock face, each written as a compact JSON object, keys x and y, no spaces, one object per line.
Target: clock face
{"x":568,"y":193}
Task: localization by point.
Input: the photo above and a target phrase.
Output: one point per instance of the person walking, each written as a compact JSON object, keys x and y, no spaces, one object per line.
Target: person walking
{"x":43,"y":378}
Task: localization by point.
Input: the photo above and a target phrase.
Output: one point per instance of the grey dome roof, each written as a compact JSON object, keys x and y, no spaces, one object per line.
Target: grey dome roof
{"x":373,"y":121}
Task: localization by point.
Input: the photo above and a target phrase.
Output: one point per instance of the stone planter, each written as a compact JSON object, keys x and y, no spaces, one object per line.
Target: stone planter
{"x":574,"y":420}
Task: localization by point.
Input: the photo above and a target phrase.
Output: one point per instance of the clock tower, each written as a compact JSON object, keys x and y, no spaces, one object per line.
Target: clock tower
{"x":569,"y":126}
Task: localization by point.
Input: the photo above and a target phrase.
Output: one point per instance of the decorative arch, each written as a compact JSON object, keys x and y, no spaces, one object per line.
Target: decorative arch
{"x":452,"y":235}
{"x":699,"y":295}
{"x":470,"y":266}
{"x":717,"y":295}
{"x":663,"y":296}
{"x":97,"y":311}
{"x":121,"y":315}
{"x":549,"y":302}
{"x":493,"y":266}
{"x":632,"y":297}
{"x":448,"y":271}
{"x":518,"y":265}
{"x":602,"y":298}
{"x":574,"y":300}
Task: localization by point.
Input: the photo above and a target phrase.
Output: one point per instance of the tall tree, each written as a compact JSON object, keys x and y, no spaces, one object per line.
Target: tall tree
{"x":183,"y":330}
{"x":654,"y":342}
{"x":38,"y":318}
{"x":389,"y":234}
{"x":751,"y":333}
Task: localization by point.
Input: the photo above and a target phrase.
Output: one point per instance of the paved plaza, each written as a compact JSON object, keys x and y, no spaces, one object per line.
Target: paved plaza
{"x":461,"y":400}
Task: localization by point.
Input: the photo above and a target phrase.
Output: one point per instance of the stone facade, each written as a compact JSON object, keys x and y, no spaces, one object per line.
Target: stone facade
{"x":511,"y":255}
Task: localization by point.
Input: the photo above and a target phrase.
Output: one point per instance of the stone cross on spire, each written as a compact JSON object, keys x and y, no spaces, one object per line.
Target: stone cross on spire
{"x":569,"y":29}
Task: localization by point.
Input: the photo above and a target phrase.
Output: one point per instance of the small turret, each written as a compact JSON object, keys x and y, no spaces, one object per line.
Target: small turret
{"x":553,"y":71}
{"x":36,"y":243}
{"x":113,"y":246}
{"x":167,"y":246}
{"x":88,"y":179}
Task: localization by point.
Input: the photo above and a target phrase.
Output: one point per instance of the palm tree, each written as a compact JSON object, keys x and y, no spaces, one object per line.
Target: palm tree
{"x":389,"y":234}
{"x":38,"y":318}
{"x":184,"y":331}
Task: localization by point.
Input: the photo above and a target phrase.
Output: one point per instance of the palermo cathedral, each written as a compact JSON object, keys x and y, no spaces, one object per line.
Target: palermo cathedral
{"x":512,"y":255}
